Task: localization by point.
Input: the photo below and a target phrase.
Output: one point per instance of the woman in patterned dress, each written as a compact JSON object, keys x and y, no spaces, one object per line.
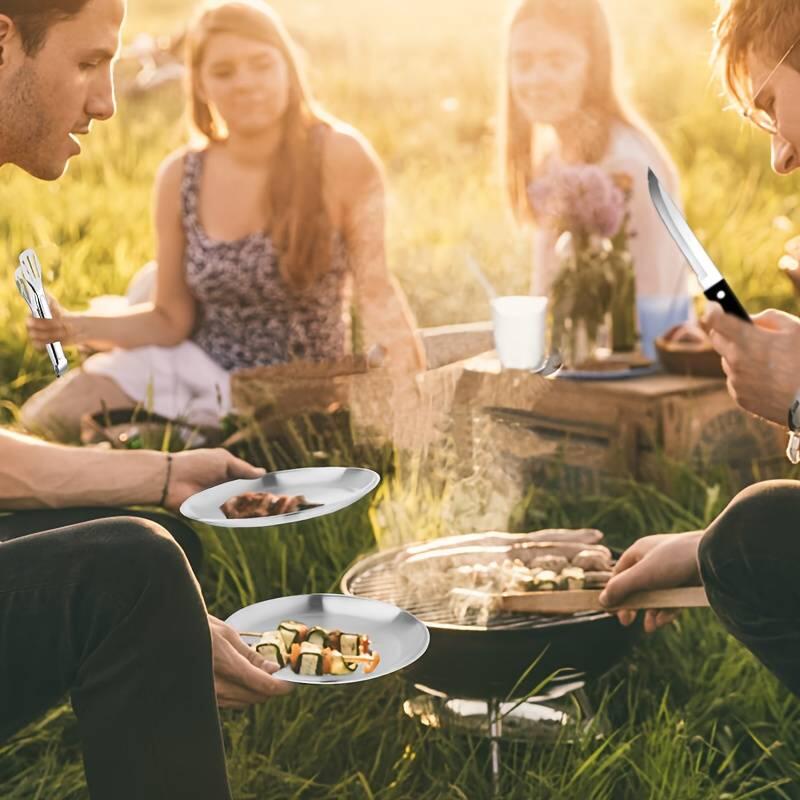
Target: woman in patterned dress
{"x":268,"y":234}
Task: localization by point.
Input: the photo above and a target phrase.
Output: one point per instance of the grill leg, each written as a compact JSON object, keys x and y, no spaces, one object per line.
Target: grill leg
{"x":584,"y":703}
{"x":589,"y":716}
{"x":495,"y":732}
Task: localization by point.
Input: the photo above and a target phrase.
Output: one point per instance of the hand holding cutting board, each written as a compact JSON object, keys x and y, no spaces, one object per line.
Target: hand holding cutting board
{"x":662,"y":561}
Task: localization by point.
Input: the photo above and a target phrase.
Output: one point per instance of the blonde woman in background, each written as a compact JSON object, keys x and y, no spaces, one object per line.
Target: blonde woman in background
{"x":562,"y":105}
{"x":264,"y":233}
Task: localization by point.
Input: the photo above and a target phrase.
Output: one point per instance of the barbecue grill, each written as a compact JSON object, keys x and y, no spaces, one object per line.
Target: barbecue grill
{"x":487,"y":662}
{"x":471,"y":674}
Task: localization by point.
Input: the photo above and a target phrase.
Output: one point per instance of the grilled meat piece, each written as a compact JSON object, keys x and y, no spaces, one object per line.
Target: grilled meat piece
{"x":264,"y":504}
{"x":592,"y":561}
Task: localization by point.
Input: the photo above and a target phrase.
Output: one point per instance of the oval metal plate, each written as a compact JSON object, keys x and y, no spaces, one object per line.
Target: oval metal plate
{"x":334,"y":487}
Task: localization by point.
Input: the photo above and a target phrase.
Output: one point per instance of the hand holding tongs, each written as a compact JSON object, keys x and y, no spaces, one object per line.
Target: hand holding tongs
{"x":28,"y":277}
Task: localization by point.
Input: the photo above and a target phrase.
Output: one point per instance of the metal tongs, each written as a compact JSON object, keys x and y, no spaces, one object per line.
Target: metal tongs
{"x":28,"y":277}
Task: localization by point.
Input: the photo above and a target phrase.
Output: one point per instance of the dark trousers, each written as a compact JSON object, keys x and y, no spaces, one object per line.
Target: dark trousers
{"x":22,"y":523}
{"x":109,"y":612}
{"x":749,"y":561}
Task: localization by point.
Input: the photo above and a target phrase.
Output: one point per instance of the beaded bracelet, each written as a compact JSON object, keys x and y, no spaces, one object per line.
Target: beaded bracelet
{"x":166,"y":480}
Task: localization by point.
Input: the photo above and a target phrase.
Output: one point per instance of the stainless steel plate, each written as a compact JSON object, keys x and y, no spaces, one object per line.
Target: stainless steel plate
{"x":396,"y":635}
{"x":334,"y":487}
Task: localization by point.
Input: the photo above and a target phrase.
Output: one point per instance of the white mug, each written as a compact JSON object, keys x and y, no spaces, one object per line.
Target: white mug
{"x":519,"y":330}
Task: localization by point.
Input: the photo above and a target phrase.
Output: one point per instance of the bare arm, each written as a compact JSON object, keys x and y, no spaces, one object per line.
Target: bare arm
{"x":166,"y":322}
{"x":37,"y":474}
{"x":383,"y":311}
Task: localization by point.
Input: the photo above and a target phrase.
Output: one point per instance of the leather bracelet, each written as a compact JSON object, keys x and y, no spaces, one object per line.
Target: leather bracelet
{"x":166,"y":480}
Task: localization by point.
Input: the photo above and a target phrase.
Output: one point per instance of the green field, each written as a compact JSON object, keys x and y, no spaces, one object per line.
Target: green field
{"x":694,"y":716}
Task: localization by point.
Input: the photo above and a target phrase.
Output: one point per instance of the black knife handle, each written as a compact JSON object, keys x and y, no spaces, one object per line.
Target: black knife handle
{"x":721,"y":293}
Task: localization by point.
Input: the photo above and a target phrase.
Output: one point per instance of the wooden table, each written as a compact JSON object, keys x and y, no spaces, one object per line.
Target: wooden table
{"x":609,"y":428}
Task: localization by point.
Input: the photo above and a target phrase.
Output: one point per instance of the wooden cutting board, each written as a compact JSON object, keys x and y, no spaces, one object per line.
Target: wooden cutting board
{"x":570,"y":602}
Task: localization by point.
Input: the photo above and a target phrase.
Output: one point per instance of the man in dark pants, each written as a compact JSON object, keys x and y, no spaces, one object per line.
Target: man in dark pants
{"x":748,"y":558}
{"x":107,"y":610}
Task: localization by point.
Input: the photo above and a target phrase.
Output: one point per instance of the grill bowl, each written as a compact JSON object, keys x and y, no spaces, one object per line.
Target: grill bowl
{"x":486,"y":662}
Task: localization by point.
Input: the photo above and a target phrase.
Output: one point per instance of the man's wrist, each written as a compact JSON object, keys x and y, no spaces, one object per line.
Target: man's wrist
{"x":142,"y":475}
{"x":148,"y":473}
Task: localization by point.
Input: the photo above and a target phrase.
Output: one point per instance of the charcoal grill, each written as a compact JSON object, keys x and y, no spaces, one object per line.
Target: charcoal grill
{"x":471,"y":674}
{"x":487,"y":662}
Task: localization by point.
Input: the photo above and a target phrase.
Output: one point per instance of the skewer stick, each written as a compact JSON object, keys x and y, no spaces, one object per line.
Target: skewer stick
{"x":360,"y":659}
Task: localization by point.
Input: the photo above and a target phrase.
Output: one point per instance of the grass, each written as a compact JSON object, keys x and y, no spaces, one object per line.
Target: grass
{"x":694,"y":716}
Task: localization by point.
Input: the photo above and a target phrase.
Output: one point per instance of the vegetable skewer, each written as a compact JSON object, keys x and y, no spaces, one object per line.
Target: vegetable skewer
{"x":315,"y":650}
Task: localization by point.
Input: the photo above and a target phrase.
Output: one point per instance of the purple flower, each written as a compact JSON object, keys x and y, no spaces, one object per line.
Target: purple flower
{"x":580,"y":198}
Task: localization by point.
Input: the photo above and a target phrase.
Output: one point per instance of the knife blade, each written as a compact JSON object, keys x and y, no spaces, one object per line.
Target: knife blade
{"x":714,"y":286}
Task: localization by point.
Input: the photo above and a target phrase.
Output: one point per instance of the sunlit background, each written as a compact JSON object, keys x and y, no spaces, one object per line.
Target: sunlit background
{"x":695,"y":716}
{"x":420,"y":79}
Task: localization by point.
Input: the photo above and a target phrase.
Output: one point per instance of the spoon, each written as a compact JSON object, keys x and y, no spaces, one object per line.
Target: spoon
{"x":551,"y":366}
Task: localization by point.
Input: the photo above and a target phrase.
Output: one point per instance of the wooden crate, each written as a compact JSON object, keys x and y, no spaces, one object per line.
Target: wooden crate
{"x":610,"y":428}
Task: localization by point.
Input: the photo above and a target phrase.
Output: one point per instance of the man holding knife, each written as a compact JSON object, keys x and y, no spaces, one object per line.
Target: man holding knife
{"x":748,"y":557}
{"x":106,"y":610}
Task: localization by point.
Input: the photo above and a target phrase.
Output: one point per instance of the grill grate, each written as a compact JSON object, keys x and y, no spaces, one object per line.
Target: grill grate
{"x":375,"y":578}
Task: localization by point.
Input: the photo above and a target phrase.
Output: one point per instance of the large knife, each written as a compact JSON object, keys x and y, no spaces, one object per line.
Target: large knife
{"x":715,"y":287}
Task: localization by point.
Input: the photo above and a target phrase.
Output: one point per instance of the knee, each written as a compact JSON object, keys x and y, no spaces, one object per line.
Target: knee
{"x":56,"y":411}
{"x":761,"y":519}
{"x":184,"y":536}
{"x":46,"y":414}
{"x":134,"y":555}
{"x":139,"y":580}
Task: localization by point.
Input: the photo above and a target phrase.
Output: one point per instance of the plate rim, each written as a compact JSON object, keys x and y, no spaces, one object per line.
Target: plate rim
{"x":610,"y":375}
{"x":306,"y":680}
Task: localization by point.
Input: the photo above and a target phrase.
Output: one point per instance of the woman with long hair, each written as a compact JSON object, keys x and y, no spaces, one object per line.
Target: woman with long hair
{"x":562,"y":105}
{"x":268,"y":233}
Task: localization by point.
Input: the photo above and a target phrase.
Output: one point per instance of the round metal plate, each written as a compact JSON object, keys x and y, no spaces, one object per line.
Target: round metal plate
{"x":334,"y":487}
{"x":396,"y":635}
